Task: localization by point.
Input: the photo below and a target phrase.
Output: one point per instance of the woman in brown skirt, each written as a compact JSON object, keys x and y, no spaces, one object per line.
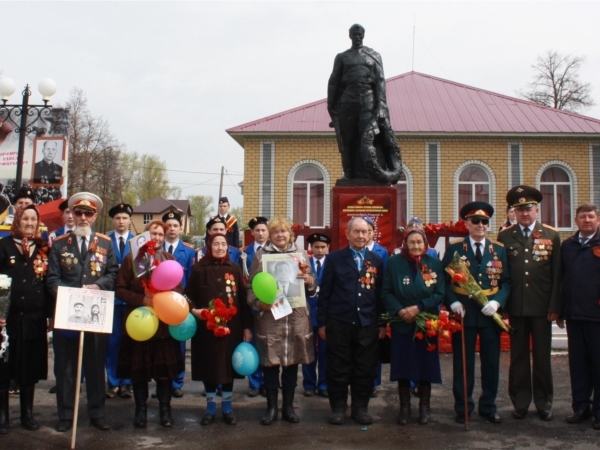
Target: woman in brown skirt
{"x":216,"y":277}
{"x":158,"y":358}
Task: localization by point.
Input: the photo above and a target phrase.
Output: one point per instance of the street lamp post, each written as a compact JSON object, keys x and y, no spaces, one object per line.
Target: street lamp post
{"x":18,"y":114}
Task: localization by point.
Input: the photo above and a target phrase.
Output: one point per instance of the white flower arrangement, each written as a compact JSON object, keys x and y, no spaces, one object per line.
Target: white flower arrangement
{"x":5,"y":282}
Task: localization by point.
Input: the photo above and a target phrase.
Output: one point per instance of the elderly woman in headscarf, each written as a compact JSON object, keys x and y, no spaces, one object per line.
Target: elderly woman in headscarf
{"x":24,"y":258}
{"x":413,"y":283}
{"x":282,"y":344}
{"x":215,"y":278}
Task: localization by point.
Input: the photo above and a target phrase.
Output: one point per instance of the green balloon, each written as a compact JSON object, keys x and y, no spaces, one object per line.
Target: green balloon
{"x":264,"y":286}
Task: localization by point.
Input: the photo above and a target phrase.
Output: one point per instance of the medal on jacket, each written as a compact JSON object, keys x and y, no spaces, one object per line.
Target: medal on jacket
{"x":542,"y":249}
{"x":596,"y":251}
{"x":429,"y":277}
{"x":494,"y":270}
{"x":406,"y":280}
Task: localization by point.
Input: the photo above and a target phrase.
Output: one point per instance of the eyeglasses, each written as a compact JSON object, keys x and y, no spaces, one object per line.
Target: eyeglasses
{"x":478,"y":221}
{"x":86,"y":213}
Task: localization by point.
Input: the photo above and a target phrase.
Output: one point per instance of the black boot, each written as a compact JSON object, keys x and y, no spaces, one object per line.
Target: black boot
{"x":404,"y":415}
{"x":140,"y":395}
{"x":26,"y":398}
{"x":163,"y":394}
{"x":360,"y":405}
{"x":287,"y":408}
{"x":271,"y":415}
{"x":424,"y":403}
{"x":3,"y":411}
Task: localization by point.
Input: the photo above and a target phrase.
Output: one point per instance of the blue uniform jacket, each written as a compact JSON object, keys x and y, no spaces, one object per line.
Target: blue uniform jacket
{"x":382,"y":252}
{"x":235,"y":256}
{"x":185,"y":255}
{"x":342,"y":295}
{"x":312,"y":301}
{"x":118,"y":254}
{"x":481,"y":273}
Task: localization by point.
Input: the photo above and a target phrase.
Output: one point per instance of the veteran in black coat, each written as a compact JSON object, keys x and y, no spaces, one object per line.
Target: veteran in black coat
{"x":347,"y":312}
{"x":487,"y":264}
{"x":96,"y":269}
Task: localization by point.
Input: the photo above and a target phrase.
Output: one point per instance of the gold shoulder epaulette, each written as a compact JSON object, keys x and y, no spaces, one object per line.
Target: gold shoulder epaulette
{"x":507,"y":228}
{"x":187,"y":244}
{"x":61,"y":237}
{"x":103,"y":236}
{"x":457,"y":241}
{"x":549,"y":227}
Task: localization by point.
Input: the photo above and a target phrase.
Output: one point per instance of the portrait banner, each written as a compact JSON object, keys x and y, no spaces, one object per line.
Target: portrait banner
{"x":80,"y":309}
{"x":285,"y":267}
{"x":141,"y":264}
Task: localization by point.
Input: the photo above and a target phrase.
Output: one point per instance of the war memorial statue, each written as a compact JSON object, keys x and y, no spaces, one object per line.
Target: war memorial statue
{"x":356,"y":101}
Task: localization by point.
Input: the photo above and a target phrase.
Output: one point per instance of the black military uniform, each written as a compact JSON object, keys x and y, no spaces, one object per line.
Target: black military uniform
{"x":535,"y":267}
{"x":68,"y":267}
{"x":47,"y":173}
{"x":232,"y":228}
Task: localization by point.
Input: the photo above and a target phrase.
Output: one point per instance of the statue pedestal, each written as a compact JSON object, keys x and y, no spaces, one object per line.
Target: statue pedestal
{"x":377,"y":202}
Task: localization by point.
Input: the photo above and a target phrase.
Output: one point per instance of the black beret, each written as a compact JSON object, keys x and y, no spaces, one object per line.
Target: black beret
{"x":63,"y":205}
{"x":171,"y":215}
{"x":318,"y":237}
{"x":121,"y":208}
{"x":257,"y":221}
{"x":26,"y":192}
{"x":223,"y":200}
{"x":212,"y":221}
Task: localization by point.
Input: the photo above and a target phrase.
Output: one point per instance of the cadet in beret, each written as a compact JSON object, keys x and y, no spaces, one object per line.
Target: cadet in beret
{"x":313,"y":374}
{"x":487,"y":264}
{"x":120,"y":236}
{"x":260,"y":233}
{"x":534,"y":262}
{"x":185,"y":255}
{"x":231,"y":225}
{"x":81,"y":259}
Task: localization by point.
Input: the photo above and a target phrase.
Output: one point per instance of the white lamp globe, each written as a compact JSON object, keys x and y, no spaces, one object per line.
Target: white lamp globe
{"x":7,"y":88}
{"x":47,"y":88}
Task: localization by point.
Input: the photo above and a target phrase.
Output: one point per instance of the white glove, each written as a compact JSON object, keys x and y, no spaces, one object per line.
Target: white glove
{"x":457,"y":308}
{"x":490,"y":308}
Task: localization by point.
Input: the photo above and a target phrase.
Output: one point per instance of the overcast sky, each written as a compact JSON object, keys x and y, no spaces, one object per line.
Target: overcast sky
{"x":170,"y":77}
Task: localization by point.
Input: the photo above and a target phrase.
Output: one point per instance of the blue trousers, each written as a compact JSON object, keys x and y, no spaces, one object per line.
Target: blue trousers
{"x":177,"y":383}
{"x":313,"y":374}
{"x":112,"y":351}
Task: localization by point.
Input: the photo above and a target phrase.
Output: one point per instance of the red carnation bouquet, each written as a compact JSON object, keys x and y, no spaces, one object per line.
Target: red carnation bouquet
{"x":217,"y":315}
{"x":428,"y":325}
{"x":147,"y":252}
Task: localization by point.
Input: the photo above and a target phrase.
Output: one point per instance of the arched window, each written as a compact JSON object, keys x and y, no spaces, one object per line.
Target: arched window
{"x":555,"y":185}
{"x":309,"y":196}
{"x":473,"y":186}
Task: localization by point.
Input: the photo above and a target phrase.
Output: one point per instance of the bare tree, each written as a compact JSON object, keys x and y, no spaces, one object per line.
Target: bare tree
{"x":146,"y":178}
{"x":556,"y":83}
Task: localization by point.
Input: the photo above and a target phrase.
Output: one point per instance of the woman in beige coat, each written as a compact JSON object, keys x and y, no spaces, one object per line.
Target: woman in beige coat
{"x":286,"y":342}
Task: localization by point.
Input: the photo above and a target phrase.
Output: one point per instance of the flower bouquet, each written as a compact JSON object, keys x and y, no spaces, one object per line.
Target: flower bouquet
{"x":217,"y":315}
{"x":5,"y":282}
{"x":461,"y":275}
{"x":427,"y":325}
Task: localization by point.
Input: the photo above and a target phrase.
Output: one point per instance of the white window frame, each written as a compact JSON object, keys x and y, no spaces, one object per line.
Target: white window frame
{"x":573,"y":183}
{"x":491,"y":180}
{"x":326,"y":189}
{"x":148,"y":218}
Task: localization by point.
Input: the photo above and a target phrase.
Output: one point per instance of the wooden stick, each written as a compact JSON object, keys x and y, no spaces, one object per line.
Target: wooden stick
{"x":464,"y":366}
{"x":77,"y":388}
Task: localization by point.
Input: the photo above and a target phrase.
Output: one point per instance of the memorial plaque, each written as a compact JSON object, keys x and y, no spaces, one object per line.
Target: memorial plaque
{"x":379,"y":203}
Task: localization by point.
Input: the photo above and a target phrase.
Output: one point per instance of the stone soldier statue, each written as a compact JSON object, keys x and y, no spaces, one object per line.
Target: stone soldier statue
{"x":356,"y":101}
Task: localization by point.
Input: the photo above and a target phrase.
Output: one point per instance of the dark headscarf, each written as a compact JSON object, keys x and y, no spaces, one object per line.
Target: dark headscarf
{"x":17,"y":234}
{"x":407,"y":254}
{"x":209,"y":255}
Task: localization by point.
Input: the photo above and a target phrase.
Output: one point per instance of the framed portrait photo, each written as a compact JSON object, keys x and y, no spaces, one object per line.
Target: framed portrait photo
{"x":142,"y":264}
{"x":285,"y":268}
{"x":81,"y":309}
{"x":49,"y":156}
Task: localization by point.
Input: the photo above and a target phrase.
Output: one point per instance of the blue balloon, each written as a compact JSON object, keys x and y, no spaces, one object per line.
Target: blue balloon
{"x":185,"y":330}
{"x":245,"y":359}
{"x":69,"y":334}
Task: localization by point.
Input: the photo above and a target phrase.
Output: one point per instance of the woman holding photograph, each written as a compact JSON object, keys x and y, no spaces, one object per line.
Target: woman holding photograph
{"x":216,"y":277}
{"x":158,"y":358}
{"x":282,"y":344}
{"x":23,"y":258}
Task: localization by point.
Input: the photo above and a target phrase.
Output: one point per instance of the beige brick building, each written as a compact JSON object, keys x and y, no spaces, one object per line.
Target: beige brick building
{"x":458,"y":144}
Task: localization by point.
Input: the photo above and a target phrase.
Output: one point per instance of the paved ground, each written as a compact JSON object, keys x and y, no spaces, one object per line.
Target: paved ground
{"x":313,"y":432}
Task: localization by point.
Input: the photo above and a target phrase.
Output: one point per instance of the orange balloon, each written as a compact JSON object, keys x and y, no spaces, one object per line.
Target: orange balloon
{"x":171,"y":308}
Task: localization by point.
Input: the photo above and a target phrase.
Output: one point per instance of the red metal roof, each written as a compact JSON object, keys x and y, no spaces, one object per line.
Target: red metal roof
{"x":424,"y":104}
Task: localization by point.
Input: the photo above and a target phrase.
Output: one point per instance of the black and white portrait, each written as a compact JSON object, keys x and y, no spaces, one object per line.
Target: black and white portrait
{"x":48,"y":154}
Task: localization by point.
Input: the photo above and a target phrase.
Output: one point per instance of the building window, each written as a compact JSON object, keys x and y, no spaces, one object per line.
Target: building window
{"x":308,"y":200}
{"x":147,"y":219}
{"x":402,"y":199}
{"x":555,"y":185}
{"x":473,"y":186}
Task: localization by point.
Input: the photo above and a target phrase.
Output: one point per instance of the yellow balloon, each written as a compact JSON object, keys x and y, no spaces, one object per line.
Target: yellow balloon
{"x":142,"y":323}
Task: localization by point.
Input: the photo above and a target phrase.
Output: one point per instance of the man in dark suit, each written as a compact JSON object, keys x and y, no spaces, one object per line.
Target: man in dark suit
{"x":121,"y":218}
{"x":81,"y":259}
{"x":534,"y":263}
{"x":232,"y":232}
{"x":581,"y":268}
{"x":288,"y":286}
{"x":347,"y":311}
{"x":47,"y":171}
{"x":487,"y":264}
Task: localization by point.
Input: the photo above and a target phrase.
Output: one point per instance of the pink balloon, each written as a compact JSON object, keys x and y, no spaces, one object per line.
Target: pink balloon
{"x":167,"y":275}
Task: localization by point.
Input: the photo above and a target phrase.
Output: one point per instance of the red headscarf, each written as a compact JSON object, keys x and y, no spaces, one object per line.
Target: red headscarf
{"x":17,"y":233}
{"x":407,"y":254}
{"x":209,"y":254}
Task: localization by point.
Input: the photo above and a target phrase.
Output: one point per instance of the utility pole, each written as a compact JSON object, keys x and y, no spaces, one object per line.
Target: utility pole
{"x":221,"y":184}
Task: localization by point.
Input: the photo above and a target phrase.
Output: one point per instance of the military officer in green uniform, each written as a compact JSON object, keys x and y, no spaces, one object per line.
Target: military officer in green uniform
{"x":487,"y":264}
{"x":534,"y":264}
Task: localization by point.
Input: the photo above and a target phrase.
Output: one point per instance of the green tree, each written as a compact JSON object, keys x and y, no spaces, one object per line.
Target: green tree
{"x":201,"y":206}
{"x":147,"y":178}
{"x":238,"y":213}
